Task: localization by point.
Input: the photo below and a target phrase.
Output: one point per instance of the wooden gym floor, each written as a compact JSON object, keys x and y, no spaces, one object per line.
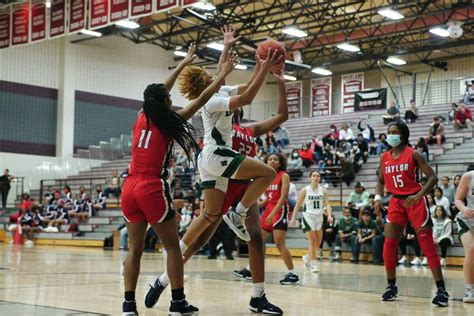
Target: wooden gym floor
{"x":46,"y":280}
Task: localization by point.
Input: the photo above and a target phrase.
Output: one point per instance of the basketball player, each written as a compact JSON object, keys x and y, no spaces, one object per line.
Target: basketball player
{"x":243,"y":141}
{"x":398,"y":174}
{"x":146,"y":197}
{"x":315,"y":199}
{"x":465,"y":219}
{"x":274,"y":219}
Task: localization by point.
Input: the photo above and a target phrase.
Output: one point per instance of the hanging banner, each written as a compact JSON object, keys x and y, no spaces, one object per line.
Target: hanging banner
{"x":77,"y":16}
{"x":38,"y":20}
{"x":162,"y":5}
{"x":140,"y":7}
{"x":57,"y":18}
{"x":294,"y":94}
{"x":20,"y":23}
{"x":98,"y":14}
{"x":350,"y":85}
{"x":321,"y":90}
{"x":5,"y":27}
{"x":119,"y":10}
{"x":375,"y":99}
{"x":187,"y":3}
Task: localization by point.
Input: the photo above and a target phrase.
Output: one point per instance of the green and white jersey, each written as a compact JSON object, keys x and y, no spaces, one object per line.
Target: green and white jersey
{"x":469,"y":200}
{"x":217,"y":118}
{"x":314,"y":201}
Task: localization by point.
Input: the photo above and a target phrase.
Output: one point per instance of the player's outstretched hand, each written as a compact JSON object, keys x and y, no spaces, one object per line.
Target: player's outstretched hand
{"x":272,"y":59}
{"x":279,"y":76}
{"x":229,"y":32}
{"x":230,"y":63}
{"x":189,"y":59}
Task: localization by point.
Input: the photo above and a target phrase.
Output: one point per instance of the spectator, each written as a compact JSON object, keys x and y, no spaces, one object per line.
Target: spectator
{"x":344,"y":148}
{"x":197,"y":206}
{"x":366,"y":232}
{"x":358,"y":200}
{"x":259,"y":152}
{"x":382,"y":145}
{"x":386,"y":197}
{"x":114,"y":185}
{"x":48,"y":195}
{"x":436,"y":132}
{"x":317,"y":148}
{"x":448,"y":189}
{"x":393,"y":114}
{"x":332,"y":137}
{"x":186,"y":217}
{"x":409,"y":239}
{"x":282,"y":136}
{"x":346,"y":133}
{"x":292,"y":196}
{"x":423,"y":148}
{"x":456,"y":180}
{"x":442,"y":232}
{"x":225,"y":235}
{"x":58,"y":216}
{"x":270,"y":143}
{"x":439,"y":199}
{"x":347,"y":233}
{"x":330,"y":173}
{"x":5,"y":186}
{"x":26,"y":202}
{"x":330,"y":231}
{"x":363,"y":147}
{"x":367,"y":131}
{"x":307,"y":155}
{"x":182,"y":158}
{"x":294,"y":161}
{"x":326,"y":154}
{"x":463,"y":117}
{"x":100,"y":199}
{"x":431,"y":204}
{"x":67,"y":195}
{"x":347,"y":170}
{"x":31,"y":223}
{"x":411,"y":114}
{"x":357,"y":158}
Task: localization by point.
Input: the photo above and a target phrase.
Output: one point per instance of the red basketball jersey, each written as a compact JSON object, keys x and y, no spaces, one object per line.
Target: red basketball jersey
{"x":399,"y":174}
{"x":243,"y":141}
{"x":151,"y":149}
{"x":273,"y":192}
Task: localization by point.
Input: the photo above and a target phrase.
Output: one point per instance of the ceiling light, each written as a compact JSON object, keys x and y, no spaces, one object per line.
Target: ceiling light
{"x":391,"y":14}
{"x":241,"y":67}
{"x":128,"y":24}
{"x":91,"y":33}
{"x":322,"y":71}
{"x":348,"y":47}
{"x":439,"y":31}
{"x":204,"y":6}
{"x":396,"y":61}
{"x":294,"y":32}
{"x":216,"y":46}
{"x":292,"y":63}
{"x":290,"y":78}
{"x":180,"y":53}
{"x":48,"y":4}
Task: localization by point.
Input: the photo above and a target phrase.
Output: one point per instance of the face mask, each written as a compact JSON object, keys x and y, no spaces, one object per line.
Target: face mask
{"x":333,"y":130}
{"x":295,"y":155}
{"x":393,"y":140}
{"x":347,"y":218}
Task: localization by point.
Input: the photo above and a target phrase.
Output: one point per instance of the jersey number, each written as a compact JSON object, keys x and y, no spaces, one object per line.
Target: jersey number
{"x":397,"y":181}
{"x":316,"y":205}
{"x":245,"y":149}
{"x":142,"y":137}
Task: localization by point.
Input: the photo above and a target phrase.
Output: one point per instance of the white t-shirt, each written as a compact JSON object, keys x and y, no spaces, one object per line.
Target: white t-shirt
{"x":292,"y":194}
{"x":217,"y":118}
{"x":314,"y":200}
{"x":445,"y":203}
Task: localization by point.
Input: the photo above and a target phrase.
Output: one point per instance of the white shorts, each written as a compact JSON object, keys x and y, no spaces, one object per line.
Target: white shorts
{"x":217,"y":165}
{"x":311,"y":222}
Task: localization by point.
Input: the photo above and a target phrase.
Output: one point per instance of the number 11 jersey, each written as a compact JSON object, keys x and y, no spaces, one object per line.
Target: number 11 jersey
{"x":399,"y":174}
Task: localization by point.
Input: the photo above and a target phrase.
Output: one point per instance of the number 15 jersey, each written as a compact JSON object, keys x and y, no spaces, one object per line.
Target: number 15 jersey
{"x":399,"y":174}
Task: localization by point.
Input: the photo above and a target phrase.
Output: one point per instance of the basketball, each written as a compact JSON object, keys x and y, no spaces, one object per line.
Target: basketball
{"x":263,"y":48}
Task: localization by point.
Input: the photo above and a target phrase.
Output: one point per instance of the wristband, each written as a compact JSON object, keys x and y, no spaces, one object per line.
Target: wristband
{"x":377,"y":198}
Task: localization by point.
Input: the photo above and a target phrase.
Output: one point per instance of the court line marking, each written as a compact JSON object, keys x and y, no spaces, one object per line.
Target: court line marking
{"x":76,"y":311}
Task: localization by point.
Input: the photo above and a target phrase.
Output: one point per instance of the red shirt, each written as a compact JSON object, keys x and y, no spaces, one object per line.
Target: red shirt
{"x":243,"y":141}
{"x":306,"y":154}
{"x":462,"y":117}
{"x":399,"y":174}
{"x":151,"y":150}
{"x":273,"y":192}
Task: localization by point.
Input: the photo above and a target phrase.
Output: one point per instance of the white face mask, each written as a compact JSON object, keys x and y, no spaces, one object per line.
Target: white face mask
{"x":295,"y":155}
{"x":347,"y":218}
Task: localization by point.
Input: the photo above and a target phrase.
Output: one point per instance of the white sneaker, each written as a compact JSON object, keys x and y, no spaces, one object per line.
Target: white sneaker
{"x":443,"y":262}
{"x":314,"y":269}
{"x":236,"y":222}
{"x":29,"y":243}
{"x":415,"y":262}
{"x":424,"y":262}
{"x":468,"y":296}
{"x":403,"y":260}
{"x":306,"y":264}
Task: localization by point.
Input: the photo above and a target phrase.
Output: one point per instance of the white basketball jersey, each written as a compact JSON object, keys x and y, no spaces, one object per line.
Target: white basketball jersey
{"x":314,"y":201}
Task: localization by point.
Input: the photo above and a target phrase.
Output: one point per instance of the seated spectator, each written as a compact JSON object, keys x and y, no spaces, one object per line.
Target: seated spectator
{"x":100,"y":199}
{"x":456,"y":180}
{"x":332,"y":137}
{"x":393,"y":114}
{"x":182,"y":158}
{"x":441,"y":200}
{"x":329,"y":172}
{"x":81,"y":207}
{"x":31,"y":223}
{"x":48,"y":195}
{"x":326,"y":154}
{"x":346,"y":133}
{"x":294,"y":161}
{"x":366,"y":232}
{"x":431,"y":204}
{"x":386,"y":197}
{"x":198,"y":205}
{"x":67,"y":195}
{"x":330,"y":231}
{"x":442,"y":232}
{"x":114,"y":185}
{"x":367,"y":132}
{"x":344,"y":148}
{"x":382,"y":145}
{"x":57,"y":216}
{"x":346,"y":172}
{"x":270,"y":144}
{"x":26,"y":202}
{"x":451,"y":114}
{"x":363,"y":147}
{"x":423,"y":148}
{"x":317,"y":148}
{"x":411,"y":114}
{"x":178,"y":192}
{"x":292,"y":196}
{"x":282,"y":136}
{"x":358,"y":200}
{"x":436,"y":132}
{"x":448,"y":189}
{"x":186,"y":217}
{"x":463,"y":117}
{"x":357,"y":158}
{"x":347,"y":233}
{"x":307,"y":155}
{"x":409,"y":239}
{"x":259,"y":152}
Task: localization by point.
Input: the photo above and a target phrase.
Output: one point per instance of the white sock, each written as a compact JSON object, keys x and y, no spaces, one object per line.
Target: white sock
{"x":248,"y":268}
{"x":313,"y":263}
{"x":241,"y":209}
{"x":182,"y":246}
{"x":469,"y":287}
{"x":291,"y":271}
{"x":163,"y":278}
{"x":258,"y":289}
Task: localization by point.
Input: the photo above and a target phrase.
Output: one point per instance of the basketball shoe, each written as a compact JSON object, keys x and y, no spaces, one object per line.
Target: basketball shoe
{"x":244,"y":273}
{"x":236,"y":222}
{"x":153,"y":294}
{"x":391,"y":293}
{"x":182,"y":308}
{"x":262,"y":305}
{"x":441,"y":298}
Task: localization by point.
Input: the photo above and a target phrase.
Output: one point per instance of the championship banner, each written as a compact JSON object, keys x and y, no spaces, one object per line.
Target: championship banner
{"x":161,"y":5}
{"x":38,"y":20}
{"x":187,"y":3}
{"x":20,"y":23}
{"x":57,"y":18}
{"x":140,"y":8}
{"x":77,"y":16}
{"x":375,"y":99}
{"x":350,"y":85}
{"x":98,"y":14}
{"x":5,"y":27}
{"x":321,"y":90}
{"x":119,"y":10}
{"x":294,"y":94}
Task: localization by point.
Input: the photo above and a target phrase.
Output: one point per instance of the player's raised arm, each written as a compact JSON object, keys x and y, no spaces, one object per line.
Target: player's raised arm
{"x":188,"y":60}
{"x":230,"y":38}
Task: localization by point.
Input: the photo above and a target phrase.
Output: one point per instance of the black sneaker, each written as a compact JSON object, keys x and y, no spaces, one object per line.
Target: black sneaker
{"x":290,"y":279}
{"x":129,"y":308}
{"x":390,"y":294}
{"x":244,"y":274}
{"x":153,"y":294}
{"x":263,"y":306}
{"x":441,"y":298}
{"x":182,"y":308}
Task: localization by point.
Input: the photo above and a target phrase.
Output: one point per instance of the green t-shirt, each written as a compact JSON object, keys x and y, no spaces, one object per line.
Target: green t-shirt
{"x":367,"y":228}
{"x":348,"y":227}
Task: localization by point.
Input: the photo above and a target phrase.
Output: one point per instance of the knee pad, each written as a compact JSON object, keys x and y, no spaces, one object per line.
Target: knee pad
{"x":427,"y":245}
{"x":390,"y":249}
{"x":211,"y":218}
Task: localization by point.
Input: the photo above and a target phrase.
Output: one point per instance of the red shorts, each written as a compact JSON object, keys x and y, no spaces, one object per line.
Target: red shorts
{"x":418,"y":214}
{"x":280,"y":221}
{"x":146,"y":199}
{"x":235,"y":192}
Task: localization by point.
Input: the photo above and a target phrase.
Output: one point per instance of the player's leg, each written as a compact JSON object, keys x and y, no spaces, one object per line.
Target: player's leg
{"x":279,"y":236}
{"x":467,"y":239}
{"x":311,"y":254}
{"x":201,"y":240}
{"x":318,"y":233}
{"x":393,"y":232}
